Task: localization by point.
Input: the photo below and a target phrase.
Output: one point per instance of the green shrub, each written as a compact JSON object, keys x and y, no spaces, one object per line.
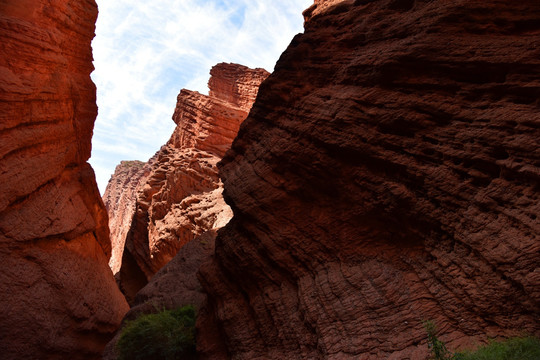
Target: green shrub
{"x":527,"y":348}
{"x":437,"y":347}
{"x":167,"y":335}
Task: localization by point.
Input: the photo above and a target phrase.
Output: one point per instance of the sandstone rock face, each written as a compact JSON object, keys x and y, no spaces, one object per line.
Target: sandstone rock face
{"x":58,"y":298}
{"x":119,"y":199}
{"x":181,"y":197}
{"x":321,"y":6}
{"x":388,"y":173}
{"x":235,"y":85}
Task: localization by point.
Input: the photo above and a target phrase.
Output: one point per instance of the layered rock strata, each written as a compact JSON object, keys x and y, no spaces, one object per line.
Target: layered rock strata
{"x":388,"y":173}
{"x":59,"y":298}
{"x":181,"y":197}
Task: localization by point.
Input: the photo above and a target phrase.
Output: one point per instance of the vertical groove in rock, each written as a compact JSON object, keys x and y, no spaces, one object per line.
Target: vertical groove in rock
{"x":387,"y":174}
{"x":59,"y":298}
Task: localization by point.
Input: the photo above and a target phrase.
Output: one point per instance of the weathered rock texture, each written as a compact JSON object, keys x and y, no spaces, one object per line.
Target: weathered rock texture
{"x":119,"y":199}
{"x":58,"y":297}
{"x":388,"y":172}
{"x":181,"y":197}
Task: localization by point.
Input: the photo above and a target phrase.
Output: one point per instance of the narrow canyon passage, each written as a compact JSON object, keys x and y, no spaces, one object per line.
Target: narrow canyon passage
{"x":386,"y":173}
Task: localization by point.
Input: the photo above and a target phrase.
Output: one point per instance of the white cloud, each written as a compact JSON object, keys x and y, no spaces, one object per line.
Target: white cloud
{"x":146,"y":51}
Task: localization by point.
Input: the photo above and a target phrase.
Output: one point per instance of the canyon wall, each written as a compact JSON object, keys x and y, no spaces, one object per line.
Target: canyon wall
{"x":58,"y":298}
{"x":387,"y":174}
{"x":179,"y":196}
{"x":119,"y":199}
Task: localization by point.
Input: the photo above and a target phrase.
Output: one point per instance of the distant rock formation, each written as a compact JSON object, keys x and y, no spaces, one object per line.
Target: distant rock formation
{"x":119,"y":199}
{"x":388,"y":173}
{"x":178,"y":195}
{"x":58,"y":297}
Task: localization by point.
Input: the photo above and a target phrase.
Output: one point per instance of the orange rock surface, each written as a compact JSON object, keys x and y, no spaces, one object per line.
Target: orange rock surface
{"x":119,"y":199}
{"x":388,"y":173}
{"x":181,"y":196}
{"x":58,"y":297}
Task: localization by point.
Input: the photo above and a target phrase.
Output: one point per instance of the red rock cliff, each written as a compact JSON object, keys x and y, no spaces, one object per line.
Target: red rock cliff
{"x":58,"y":297}
{"x":119,"y":199}
{"x":388,"y":173}
{"x":181,"y":197}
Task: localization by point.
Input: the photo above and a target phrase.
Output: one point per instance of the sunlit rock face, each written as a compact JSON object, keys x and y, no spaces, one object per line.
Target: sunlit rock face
{"x":388,"y":173}
{"x":58,"y":298}
{"x":179,"y":196}
{"x":119,"y":199}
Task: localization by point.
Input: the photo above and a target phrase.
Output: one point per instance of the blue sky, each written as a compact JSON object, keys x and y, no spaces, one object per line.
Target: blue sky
{"x":145,"y":52}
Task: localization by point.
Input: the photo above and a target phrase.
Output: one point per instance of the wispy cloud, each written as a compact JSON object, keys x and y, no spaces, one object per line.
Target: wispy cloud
{"x":146,"y":51}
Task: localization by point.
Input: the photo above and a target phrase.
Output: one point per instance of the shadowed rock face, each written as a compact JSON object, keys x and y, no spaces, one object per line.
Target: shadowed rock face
{"x":58,"y":298}
{"x":176,"y":285}
{"x":179,"y":194}
{"x":388,"y":173}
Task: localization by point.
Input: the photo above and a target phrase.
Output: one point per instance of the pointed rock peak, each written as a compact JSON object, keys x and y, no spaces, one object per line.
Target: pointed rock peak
{"x":210,"y":122}
{"x":158,"y":208}
{"x":236,"y":84}
{"x":320,"y":6}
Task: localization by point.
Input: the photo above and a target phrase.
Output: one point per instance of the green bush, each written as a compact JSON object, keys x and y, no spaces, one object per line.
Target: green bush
{"x":167,"y":335}
{"x":527,"y":348}
{"x":437,"y":347}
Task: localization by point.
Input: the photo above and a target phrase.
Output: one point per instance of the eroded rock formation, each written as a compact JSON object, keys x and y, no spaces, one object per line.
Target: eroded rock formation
{"x":388,"y":173}
{"x":181,"y":197}
{"x":58,"y":298}
{"x":119,"y":199}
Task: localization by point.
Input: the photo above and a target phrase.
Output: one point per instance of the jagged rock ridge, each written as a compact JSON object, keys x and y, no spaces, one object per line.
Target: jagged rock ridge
{"x":179,"y":196}
{"x":59,"y":298}
{"x":387,"y":174}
